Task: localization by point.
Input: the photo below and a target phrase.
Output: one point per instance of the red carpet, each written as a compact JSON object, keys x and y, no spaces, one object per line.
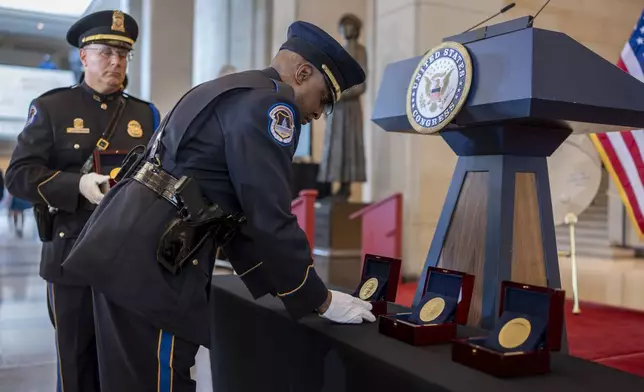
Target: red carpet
{"x":611,"y":336}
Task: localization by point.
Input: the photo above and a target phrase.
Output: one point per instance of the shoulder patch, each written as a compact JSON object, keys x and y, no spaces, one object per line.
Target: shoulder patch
{"x":281,"y":125}
{"x":33,"y":111}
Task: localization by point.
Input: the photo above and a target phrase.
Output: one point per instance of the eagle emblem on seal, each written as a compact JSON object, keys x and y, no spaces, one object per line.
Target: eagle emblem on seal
{"x":436,"y":88}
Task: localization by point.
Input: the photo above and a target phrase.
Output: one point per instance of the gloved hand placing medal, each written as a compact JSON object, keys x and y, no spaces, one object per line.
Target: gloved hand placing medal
{"x":346,"y":309}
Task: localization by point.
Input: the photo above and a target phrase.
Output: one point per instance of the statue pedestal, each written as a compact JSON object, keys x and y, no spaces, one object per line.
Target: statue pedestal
{"x":336,"y":235}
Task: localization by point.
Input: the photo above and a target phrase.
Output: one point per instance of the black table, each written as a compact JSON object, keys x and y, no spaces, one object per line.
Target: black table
{"x":257,"y":347}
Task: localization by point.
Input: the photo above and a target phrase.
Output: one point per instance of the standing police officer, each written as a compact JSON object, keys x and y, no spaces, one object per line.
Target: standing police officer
{"x":53,"y":166}
{"x":220,"y":165}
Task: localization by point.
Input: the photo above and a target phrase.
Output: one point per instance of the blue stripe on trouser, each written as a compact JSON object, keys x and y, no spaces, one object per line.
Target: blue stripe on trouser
{"x":52,"y":305}
{"x":165,"y":353}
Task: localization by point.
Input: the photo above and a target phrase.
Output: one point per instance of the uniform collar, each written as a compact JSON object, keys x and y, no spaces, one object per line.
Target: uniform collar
{"x":98,"y":96}
{"x":272,"y":73}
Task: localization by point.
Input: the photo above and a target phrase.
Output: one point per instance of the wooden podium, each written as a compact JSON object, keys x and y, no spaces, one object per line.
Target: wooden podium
{"x":530,"y":88}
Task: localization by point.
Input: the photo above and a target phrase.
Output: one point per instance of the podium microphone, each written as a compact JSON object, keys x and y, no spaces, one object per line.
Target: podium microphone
{"x":541,"y":9}
{"x":504,"y":9}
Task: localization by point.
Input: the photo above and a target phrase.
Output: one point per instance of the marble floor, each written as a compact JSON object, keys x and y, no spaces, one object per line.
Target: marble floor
{"x":27,"y":350}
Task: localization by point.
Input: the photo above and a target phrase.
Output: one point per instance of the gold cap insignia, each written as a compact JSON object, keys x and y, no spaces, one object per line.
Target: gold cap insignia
{"x":134,"y":129}
{"x":118,"y":21}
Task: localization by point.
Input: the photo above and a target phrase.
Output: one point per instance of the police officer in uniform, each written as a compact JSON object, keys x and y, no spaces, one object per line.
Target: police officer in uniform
{"x":217,"y":173}
{"x":51,"y":167}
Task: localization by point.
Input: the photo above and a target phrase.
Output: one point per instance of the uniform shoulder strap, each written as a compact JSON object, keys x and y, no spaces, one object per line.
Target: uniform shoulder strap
{"x":55,"y":90}
{"x":197,"y":99}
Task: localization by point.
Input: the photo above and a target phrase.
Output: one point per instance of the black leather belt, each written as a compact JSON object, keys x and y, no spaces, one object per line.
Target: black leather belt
{"x":159,"y":181}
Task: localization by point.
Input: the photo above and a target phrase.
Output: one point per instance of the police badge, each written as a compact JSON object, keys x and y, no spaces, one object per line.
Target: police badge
{"x":439,"y":87}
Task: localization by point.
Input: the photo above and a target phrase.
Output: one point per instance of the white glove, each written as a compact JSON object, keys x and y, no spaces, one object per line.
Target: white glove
{"x":90,"y":186}
{"x":347,"y":309}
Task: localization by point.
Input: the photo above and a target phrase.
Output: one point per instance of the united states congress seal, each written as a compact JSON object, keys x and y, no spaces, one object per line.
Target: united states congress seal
{"x":439,"y":87}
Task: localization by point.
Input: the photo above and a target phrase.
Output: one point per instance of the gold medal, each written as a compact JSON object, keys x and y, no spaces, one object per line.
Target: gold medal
{"x":514,"y":333}
{"x":114,"y":172}
{"x":368,"y":288}
{"x":432,"y":309}
{"x":134,"y":129}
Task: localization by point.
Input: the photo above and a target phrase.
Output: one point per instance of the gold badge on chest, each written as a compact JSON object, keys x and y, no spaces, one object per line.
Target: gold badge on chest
{"x":78,"y":127}
{"x":134,"y":129}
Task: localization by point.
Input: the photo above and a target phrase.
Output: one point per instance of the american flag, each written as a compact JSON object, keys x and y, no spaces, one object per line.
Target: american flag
{"x":623,"y":152}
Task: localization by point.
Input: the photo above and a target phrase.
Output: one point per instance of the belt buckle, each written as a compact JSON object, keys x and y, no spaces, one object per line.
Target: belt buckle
{"x":102,"y":144}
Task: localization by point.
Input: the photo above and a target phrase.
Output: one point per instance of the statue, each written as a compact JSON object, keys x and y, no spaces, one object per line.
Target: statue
{"x":343,"y":157}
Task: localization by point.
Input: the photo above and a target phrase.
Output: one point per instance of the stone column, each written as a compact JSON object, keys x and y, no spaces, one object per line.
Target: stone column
{"x":166,"y":51}
{"x":134,"y":8}
{"x":212,"y":25}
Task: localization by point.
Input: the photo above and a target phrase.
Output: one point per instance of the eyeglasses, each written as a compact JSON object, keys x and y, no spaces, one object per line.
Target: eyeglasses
{"x":107,"y":52}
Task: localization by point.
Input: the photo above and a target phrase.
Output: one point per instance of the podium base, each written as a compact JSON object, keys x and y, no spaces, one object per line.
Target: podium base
{"x":496,"y":223}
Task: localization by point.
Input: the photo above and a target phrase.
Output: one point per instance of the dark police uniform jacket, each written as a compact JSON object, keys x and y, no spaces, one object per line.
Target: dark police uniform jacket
{"x":223,"y":133}
{"x":62,"y":129}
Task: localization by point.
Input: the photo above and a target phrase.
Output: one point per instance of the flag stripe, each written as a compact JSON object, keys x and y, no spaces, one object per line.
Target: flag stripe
{"x":614,"y":166}
{"x":633,"y":66}
{"x":639,"y":139}
{"x":620,"y":65}
{"x":632,"y":178}
{"x":623,"y":152}
{"x":600,"y":142}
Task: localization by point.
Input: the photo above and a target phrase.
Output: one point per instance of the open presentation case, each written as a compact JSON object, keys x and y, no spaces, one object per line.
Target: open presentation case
{"x":445,"y":303}
{"x":529,"y":327}
{"x":379,"y":282}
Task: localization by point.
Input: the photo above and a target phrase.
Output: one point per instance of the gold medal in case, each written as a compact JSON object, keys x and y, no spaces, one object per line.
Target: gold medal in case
{"x":368,"y":289}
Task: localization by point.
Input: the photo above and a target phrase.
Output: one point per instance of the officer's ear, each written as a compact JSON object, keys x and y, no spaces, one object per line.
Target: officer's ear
{"x":82,"y":53}
{"x":303,"y":73}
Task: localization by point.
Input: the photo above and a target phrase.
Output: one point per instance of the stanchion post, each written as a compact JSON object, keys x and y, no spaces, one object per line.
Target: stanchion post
{"x":571,"y":219}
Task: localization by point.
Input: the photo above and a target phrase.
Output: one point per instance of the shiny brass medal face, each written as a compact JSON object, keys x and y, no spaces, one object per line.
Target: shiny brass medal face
{"x":368,"y":288}
{"x":515,"y":332}
{"x":432,"y":309}
{"x":114,"y":172}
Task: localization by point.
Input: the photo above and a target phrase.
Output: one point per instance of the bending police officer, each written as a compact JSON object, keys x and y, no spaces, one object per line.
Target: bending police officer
{"x":224,"y":151}
{"x":53,"y":166}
